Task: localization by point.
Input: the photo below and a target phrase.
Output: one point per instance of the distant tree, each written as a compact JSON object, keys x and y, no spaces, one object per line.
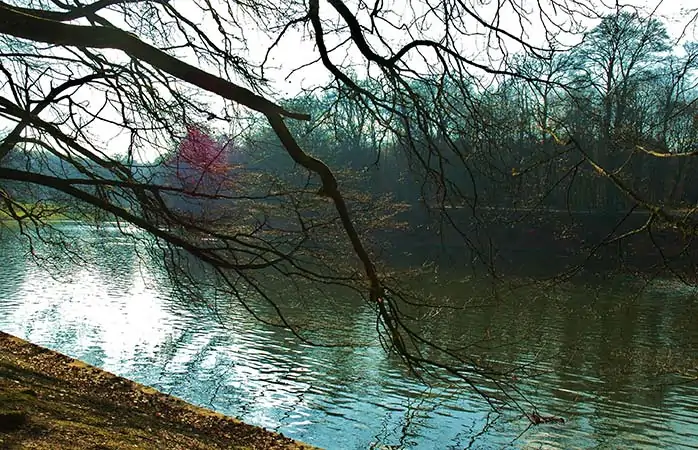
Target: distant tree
{"x":199,"y":162}
{"x":616,"y":56}
{"x":200,"y":150}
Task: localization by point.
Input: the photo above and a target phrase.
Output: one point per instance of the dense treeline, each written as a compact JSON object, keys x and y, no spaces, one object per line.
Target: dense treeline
{"x":602,"y":128}
{"x":624,"y":99}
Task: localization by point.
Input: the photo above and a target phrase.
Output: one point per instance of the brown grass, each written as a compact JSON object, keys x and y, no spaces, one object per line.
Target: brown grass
{"x":51,"y":401}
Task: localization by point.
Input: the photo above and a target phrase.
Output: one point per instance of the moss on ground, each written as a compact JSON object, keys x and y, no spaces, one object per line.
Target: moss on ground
{"x":51,"y":401}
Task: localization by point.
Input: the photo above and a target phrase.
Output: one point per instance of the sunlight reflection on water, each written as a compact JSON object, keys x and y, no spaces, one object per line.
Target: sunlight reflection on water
{"x":119,"y":312}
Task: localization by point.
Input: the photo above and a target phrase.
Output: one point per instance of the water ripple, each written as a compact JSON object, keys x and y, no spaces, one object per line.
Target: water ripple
{"x":594,"y":361}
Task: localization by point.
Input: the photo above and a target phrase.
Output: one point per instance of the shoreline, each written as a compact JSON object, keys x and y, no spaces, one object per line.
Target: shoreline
{"x":51,"y":401}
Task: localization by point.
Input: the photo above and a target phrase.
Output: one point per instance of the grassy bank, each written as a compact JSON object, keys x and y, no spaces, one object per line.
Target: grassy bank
{"x":51,"y":401}
{"x":44,"y":211}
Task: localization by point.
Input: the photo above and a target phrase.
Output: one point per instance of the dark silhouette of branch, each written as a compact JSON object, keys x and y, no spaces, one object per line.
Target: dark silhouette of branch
{"x":30,"y":24}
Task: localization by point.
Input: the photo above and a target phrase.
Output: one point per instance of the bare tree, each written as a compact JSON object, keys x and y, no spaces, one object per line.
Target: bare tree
{"x":148,"y":69}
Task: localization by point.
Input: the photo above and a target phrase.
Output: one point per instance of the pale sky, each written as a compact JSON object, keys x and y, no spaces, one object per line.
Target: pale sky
{"x":295,"y":51}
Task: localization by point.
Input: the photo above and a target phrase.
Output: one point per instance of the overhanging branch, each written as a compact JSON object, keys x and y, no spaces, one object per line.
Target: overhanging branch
{"x":29,"y":24}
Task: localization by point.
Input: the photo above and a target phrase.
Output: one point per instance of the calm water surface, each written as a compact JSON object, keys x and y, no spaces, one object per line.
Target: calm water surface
{"x":620,"y":364}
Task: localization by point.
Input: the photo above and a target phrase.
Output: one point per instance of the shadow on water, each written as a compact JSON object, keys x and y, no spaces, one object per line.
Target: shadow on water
{"x":619,"y":363}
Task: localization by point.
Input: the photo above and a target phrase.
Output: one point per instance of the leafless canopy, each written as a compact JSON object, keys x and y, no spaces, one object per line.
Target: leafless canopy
{"x":143,"y":69}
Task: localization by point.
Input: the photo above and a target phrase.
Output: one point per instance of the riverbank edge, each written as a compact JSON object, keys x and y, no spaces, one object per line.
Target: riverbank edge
{"x":50,"y":400}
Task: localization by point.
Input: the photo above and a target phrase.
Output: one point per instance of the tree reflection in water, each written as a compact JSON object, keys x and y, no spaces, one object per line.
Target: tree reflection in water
{"x":614,"y":360}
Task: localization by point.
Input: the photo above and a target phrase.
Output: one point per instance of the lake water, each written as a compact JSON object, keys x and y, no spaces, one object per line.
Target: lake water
{"x":616,"y":358}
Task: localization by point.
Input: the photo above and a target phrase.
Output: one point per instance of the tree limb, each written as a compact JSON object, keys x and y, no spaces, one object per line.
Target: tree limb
{"x":28,"y":24}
